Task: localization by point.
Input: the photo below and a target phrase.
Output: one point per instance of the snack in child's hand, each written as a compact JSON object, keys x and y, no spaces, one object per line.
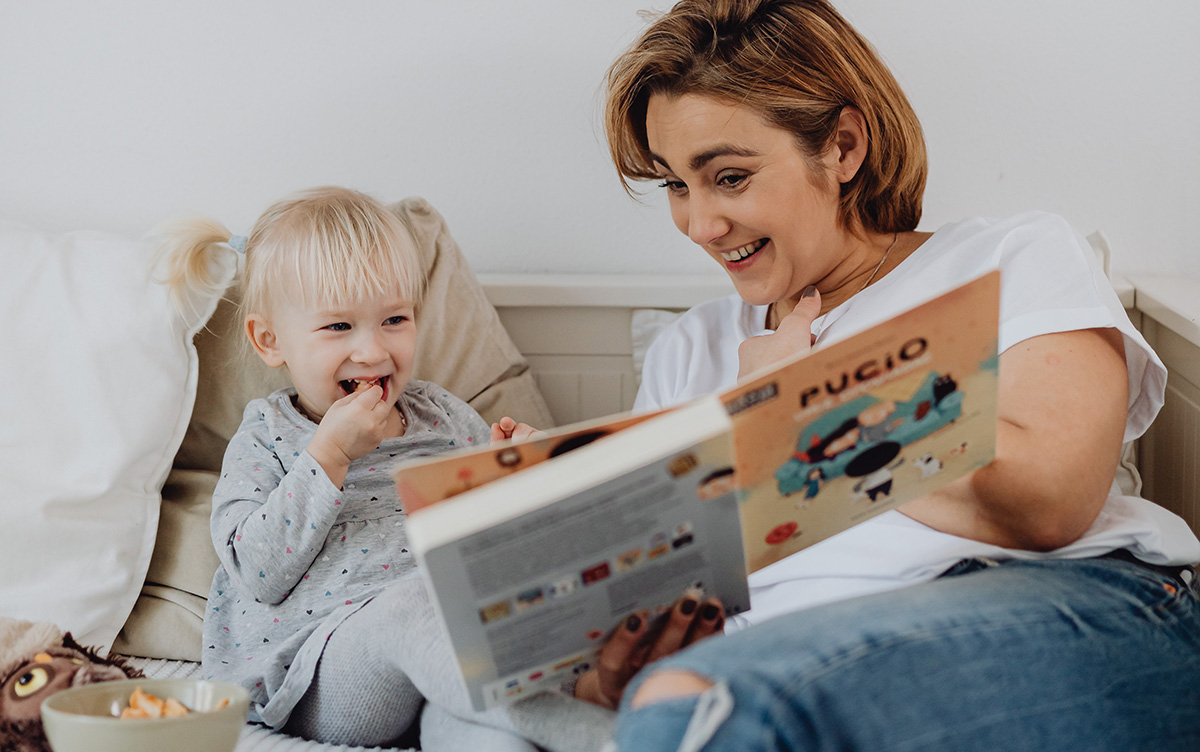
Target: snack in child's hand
{"x":145,"y":705}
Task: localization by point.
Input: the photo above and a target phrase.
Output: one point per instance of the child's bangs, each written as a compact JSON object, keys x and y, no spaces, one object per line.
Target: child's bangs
{"x":338,"y":270}
{"x":332,"y":247}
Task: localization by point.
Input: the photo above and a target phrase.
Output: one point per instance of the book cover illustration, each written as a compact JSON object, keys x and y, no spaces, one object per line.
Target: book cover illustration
{"x":426,"y":482}
{"x":859,"y":427}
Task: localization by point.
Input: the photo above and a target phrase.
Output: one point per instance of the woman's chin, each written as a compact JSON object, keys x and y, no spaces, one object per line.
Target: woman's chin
{"x":753,"y":294}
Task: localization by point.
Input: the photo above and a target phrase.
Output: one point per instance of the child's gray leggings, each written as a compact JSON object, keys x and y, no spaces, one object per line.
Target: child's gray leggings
{"x":381,"y":663}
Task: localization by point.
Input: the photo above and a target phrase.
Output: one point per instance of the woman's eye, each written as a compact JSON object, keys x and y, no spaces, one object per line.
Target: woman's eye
{"x":31,"y":682}
{"x":339,"y":327}
{"x":731,"y":179}
{"x":674,"y":186}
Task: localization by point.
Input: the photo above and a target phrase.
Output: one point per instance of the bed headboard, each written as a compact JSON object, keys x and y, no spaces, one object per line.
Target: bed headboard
{"x":578,"y":334}
{"x":577,"y":331}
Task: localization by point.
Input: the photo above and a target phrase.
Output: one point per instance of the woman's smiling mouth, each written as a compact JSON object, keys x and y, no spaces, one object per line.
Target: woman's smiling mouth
{"x":744,"y":252}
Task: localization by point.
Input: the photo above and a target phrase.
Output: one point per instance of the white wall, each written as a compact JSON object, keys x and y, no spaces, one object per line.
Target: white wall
{"x":119,"y":115}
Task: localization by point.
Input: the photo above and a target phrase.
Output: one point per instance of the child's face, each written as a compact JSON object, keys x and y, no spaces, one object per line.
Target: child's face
{"x":329,"y":352}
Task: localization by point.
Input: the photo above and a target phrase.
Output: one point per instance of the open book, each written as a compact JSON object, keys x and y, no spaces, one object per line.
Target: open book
{"x":533,"y":551}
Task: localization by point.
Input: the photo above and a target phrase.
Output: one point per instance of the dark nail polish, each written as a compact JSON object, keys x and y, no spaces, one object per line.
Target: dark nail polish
{"x":688,"y":606}
{"x":808,"y":292}
{"x":709,"y":612}
{"x":633,"y":622}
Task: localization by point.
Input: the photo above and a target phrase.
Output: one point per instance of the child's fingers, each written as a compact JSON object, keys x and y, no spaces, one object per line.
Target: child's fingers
{"x":523,"y":431}
{"x":507,"y":428}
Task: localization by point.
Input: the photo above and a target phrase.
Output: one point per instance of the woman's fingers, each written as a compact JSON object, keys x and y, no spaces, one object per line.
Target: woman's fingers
{"x":674,"y":633}
{"x":639,"y":641}
{"x":690,"y":620}
{"x":792,"y":336}
{"x":710,"y":620}
{"x":620,"y":658}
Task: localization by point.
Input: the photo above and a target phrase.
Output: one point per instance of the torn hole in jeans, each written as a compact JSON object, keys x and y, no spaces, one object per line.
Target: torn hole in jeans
{"x":713,"y":707}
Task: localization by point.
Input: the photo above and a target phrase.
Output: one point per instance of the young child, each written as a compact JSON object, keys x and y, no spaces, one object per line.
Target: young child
{"x":317,"y":609}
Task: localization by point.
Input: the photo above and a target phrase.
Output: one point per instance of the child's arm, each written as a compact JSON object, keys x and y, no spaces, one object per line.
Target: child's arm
{"x":267,"y":525}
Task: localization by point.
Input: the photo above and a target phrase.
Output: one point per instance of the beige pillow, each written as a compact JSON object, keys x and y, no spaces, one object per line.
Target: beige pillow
{"x":461,"y":345}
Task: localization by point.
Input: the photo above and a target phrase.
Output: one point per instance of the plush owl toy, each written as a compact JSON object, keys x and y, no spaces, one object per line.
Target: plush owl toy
{"x":37,"y":660}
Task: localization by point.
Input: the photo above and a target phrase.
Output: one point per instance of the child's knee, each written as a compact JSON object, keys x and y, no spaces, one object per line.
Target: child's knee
{"x":668,"y":685}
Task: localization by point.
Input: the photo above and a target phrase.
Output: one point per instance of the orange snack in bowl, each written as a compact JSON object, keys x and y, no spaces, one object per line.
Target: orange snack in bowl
{"x":173,"y":708}
{"x":142,"y":705}
{"x":145,"y":705}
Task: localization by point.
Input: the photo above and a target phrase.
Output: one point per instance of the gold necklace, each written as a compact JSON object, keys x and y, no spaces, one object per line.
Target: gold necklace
{"x":895,"y":237}
{"x":771,"y":316}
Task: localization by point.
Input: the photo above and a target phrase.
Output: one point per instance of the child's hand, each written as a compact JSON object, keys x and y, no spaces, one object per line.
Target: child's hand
{"x":353,"y":426}
{"x":508,"y":428}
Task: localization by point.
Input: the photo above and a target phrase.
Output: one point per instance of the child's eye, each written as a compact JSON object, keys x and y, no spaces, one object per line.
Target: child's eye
{"x":394,"y":320}
{"x":341,"y":326}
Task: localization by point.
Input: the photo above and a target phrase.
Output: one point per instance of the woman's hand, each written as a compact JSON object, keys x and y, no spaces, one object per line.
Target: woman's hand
{"x":792,"y":336}
{"x":639,"y":642}
{"x":508,"y":428}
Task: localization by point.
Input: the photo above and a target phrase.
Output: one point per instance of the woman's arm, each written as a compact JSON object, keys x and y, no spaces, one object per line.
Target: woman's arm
{"x":1062,"y":403}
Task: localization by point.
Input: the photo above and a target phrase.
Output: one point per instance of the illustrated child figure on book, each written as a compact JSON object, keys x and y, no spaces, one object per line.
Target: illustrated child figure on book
{"x":316,"y":609}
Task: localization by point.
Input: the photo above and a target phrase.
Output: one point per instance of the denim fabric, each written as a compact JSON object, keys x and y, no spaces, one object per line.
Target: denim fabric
{"x":1091,"y":654}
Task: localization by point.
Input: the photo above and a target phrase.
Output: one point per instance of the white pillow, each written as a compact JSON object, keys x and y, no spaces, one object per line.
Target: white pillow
{"x":645,"y":324}
{"x":97,"y":380}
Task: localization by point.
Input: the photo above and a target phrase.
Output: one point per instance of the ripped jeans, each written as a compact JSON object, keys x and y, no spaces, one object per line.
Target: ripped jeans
{"x":1091,"y":654}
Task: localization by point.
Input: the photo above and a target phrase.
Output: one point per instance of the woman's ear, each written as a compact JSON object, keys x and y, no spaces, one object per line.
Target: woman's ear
{"x":850,"y":144}
{"x":262,"y":337}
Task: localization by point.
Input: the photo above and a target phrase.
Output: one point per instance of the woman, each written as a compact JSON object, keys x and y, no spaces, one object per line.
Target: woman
{"x":1026,"y":606}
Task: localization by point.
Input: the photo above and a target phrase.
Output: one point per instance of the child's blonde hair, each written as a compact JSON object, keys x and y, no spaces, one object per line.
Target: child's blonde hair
{"x":328,"y":246}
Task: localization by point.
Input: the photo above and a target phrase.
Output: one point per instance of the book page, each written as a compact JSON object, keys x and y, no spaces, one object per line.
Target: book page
{"x":530,"y":599}
{"x":885,"y":416}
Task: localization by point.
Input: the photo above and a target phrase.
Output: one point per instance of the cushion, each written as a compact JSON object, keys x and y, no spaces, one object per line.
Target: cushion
{"x":461,"y":346}
{"x":100,"y":373}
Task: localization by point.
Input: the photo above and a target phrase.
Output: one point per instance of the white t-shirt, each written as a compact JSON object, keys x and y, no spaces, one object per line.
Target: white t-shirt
{"x":1050,"y":282}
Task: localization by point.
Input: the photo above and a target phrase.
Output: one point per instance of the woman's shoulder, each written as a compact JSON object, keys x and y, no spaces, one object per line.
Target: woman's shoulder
{"x":989,"y":236}
{"x":697,"y":352}
{"x":728,"y":316}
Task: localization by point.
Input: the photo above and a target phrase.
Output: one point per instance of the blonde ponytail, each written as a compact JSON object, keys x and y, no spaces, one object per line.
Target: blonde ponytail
{"x":192,"y":254}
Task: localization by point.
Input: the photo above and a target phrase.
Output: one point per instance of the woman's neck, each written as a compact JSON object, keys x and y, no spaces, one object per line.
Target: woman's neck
{"x":862,"y":267}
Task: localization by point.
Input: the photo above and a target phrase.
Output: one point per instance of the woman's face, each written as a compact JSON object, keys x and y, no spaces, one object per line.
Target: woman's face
{"x":744,"y":192}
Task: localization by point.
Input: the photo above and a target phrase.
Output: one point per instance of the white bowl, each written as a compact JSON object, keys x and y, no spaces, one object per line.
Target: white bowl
{"x":84,"y":719}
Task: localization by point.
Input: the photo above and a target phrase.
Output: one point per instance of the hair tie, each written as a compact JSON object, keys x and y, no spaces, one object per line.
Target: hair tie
{"x":238,"y":243}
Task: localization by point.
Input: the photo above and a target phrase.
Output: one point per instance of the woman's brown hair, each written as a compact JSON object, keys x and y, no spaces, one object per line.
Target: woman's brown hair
{"x":796,"y":62}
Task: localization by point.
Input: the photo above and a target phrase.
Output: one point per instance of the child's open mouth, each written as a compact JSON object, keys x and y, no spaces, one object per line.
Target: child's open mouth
{"x":351,"y":386}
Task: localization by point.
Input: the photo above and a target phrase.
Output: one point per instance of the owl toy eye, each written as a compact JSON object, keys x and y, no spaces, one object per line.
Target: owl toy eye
{"x":31,"y":682}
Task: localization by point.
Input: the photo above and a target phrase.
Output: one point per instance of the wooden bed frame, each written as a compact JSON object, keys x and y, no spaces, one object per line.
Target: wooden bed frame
{"x":576,"y":331}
